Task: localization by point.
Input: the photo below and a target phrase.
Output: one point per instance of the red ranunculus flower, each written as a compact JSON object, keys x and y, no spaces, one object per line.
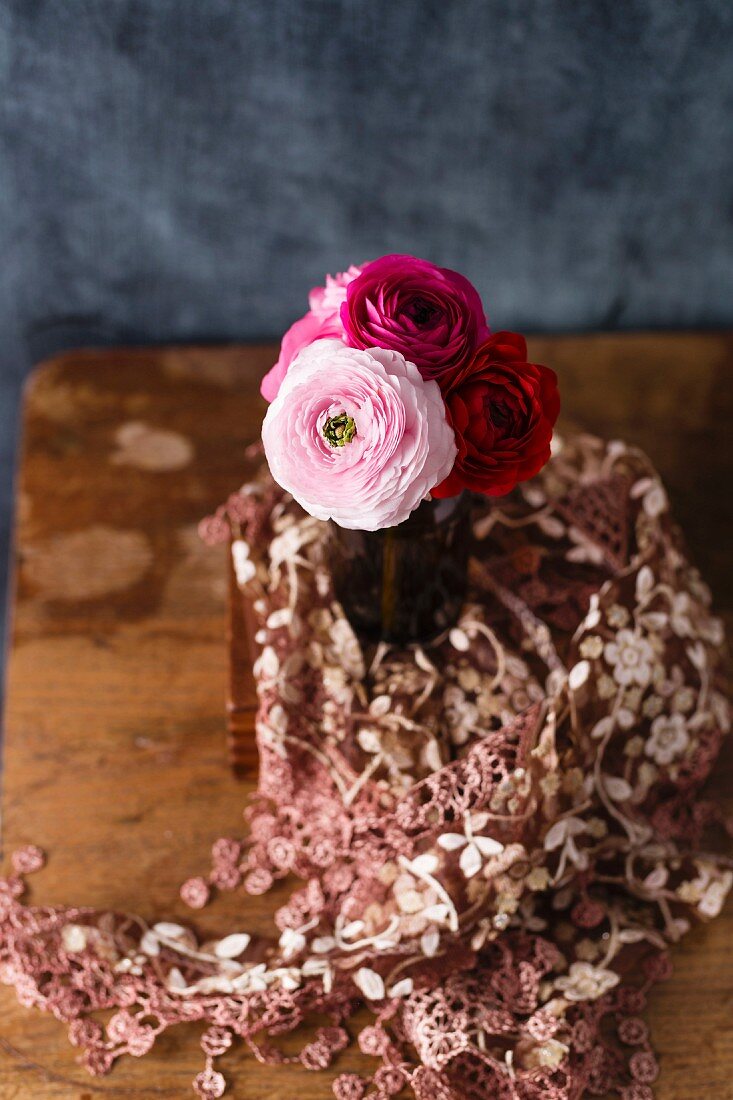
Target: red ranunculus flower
{"x":502,"y":409}
{"x":431,"y":315}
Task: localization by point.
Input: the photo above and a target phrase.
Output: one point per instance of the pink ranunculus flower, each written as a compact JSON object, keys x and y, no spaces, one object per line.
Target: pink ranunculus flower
{"x":308,"y":329}
{"x":326,"y":300}
{"x":323,"y":321}
{"x":357,"y":436}
{"x":430,"y":314}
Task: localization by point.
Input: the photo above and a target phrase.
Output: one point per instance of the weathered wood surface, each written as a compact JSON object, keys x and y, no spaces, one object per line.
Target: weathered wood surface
{"x":115,"y":756}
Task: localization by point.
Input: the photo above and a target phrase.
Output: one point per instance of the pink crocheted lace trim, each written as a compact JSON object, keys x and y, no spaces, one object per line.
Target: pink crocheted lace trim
{"x":498,"y":835}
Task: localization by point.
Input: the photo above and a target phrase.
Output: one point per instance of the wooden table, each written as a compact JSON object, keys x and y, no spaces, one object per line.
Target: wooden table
{"x":114,"y":736}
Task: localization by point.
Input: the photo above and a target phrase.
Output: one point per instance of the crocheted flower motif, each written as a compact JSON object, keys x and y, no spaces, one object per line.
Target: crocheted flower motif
{"x":209,"y":1085}
{"x":474,"y":849}
{"x":373,"y":1040}
{"x":588,"y":913}
{"x":195,"y":892}
{"x":216,"y":1041}
{"x":585,"y":982}
{"x":633,"y":1031}
{"x":389,"y":1080}
{"x":643,"y":1066}
{"x":349,"y":1086}
{"x":29,"y":859}
{"x":631,"y":657}
{"x":669,"y":738}
{"x":637,"y":1092}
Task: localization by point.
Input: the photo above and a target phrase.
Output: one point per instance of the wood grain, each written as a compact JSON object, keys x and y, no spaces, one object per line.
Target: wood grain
{"x":115,"y":755}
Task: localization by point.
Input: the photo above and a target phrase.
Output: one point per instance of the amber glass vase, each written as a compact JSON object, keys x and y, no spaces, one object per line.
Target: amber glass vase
{"x":406,"y":583}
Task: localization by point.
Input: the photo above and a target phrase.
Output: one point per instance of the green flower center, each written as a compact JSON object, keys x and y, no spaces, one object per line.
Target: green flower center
{"x":339,"y":430}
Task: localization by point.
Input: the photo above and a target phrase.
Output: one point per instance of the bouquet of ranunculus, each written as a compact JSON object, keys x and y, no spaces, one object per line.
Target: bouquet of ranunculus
{"x":392,"y":389}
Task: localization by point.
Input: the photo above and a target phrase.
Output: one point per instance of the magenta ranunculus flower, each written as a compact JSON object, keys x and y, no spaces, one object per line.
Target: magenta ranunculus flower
{"x":322,"y":321}
{"x":357,"y":436}
{"x":431,"y":315}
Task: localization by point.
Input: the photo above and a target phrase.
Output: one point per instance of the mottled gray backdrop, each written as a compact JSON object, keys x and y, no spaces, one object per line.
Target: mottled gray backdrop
{"x":184,"y":169}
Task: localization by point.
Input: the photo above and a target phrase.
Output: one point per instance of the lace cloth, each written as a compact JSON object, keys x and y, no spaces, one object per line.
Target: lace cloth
{"x":497,"y":835}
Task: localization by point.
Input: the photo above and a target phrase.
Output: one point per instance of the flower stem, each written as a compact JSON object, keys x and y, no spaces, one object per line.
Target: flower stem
{"x":389,"y":583}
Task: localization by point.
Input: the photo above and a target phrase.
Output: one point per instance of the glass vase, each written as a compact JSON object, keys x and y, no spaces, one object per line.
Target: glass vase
{"x":407,"y":583}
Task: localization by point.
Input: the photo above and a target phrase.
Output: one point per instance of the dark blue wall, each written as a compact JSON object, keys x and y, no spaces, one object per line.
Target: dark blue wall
{"x":175,"y":169}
